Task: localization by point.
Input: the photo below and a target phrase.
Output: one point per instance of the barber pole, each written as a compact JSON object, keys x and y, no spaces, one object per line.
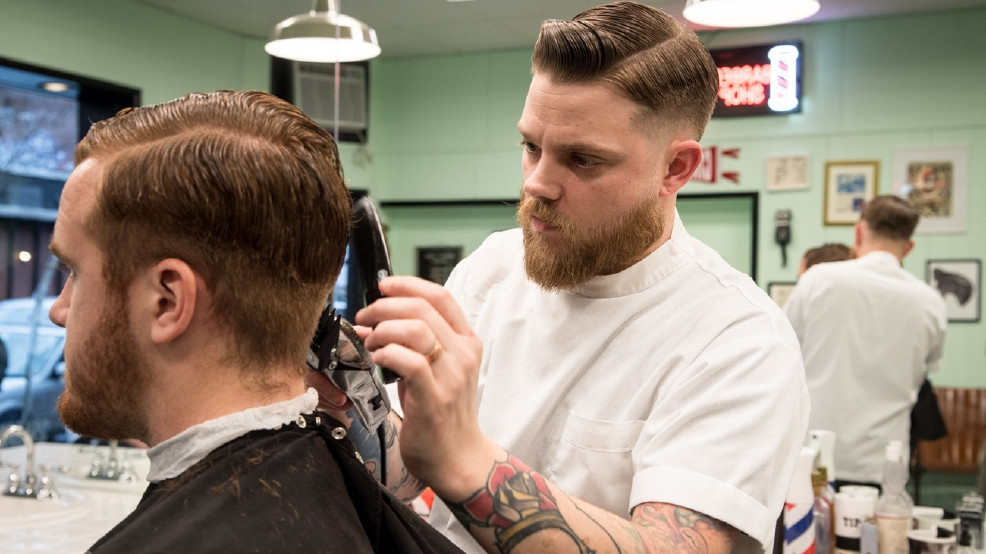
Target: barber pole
{"x":799,"y":528}
{"x":799,"y":520}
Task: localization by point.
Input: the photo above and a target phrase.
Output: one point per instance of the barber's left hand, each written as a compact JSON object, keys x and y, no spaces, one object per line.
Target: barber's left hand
{"x":330,"y":398}
{"x":420,"y":333}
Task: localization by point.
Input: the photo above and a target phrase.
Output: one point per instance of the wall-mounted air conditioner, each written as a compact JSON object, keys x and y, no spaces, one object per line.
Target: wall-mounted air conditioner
{"x":314,"y":93}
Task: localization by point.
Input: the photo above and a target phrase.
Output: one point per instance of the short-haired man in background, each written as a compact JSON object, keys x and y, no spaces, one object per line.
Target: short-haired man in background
{"x":828,"y":252}
{"x":870,"y":333}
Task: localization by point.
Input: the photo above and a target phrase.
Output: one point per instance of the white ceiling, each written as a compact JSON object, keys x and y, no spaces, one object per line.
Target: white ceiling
{"x":416,"y":27}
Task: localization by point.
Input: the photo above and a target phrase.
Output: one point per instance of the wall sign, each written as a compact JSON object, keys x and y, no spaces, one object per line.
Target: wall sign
{"x":710,"y":170}
{"x":758,"y":80}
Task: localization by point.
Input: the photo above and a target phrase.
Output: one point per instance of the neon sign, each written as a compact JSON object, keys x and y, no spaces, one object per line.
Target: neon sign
{"x":758,"y":80}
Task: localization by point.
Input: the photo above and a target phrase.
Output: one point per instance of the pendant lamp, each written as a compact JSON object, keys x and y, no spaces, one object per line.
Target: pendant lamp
{"x":323,"y":35}
{"x":748,"y":13}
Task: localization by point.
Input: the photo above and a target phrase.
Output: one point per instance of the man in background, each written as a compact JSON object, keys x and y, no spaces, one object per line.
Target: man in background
{"x":870,"y":333}
{"x":202,"y":237}
{"x":609,"y":383}
{"x":828,"y":252}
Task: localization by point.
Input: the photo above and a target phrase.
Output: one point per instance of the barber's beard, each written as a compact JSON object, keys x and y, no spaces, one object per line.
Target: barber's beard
{"x":568,"y":261}
{"x":105,"y":391}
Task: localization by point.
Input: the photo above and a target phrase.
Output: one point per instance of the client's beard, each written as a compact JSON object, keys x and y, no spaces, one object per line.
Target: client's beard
{"x":104,"y":390}
{"x":581,"y":254}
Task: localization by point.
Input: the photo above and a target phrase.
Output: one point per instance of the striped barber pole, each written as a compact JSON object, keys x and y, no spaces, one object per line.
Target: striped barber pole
{"x":799,"y":528}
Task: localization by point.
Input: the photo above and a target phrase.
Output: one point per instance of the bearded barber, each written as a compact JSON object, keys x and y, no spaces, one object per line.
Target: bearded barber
{"x":598,"y":380}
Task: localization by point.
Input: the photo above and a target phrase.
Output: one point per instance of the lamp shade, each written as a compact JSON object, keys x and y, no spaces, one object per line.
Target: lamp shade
{"x":748,"y":13}
{"x":323,"y":35}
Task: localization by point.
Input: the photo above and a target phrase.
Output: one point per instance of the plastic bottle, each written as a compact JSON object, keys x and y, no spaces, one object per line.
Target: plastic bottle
{"x":822,"y":513}
{"x":828,"y":493}
{"x":869,"y":537}
{"x":894,"y":507}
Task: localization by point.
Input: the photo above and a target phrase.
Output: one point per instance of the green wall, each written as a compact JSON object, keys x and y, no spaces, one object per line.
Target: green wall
{"x":444,"y":127}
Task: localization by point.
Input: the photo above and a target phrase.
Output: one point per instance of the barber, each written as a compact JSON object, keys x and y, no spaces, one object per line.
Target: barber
{"x":598,"y":380}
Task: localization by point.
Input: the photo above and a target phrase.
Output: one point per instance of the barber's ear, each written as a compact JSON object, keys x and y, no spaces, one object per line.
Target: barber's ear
{"x":686,"y":156}
{"x":173,"y":291}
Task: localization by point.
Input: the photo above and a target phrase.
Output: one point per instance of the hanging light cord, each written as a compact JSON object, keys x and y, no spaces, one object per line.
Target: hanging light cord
{"x":335,"y":130}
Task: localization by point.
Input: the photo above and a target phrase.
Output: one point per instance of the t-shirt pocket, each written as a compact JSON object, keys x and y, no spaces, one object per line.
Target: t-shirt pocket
{"x":594,"y":463}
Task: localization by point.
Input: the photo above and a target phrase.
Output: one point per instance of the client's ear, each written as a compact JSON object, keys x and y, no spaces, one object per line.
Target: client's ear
{"x":172,"y":295}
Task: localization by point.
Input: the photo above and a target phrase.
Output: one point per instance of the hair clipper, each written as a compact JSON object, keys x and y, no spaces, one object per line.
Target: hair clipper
{"x":372,"y":257}
{"x":337,"y":352}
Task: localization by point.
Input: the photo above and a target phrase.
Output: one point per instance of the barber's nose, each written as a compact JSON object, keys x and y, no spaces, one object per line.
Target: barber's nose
{"x":543,"y":180}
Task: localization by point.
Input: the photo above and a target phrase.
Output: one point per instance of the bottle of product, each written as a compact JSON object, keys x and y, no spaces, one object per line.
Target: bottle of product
{"x":893,"y":508}
{"x":869,"y":537}
{"x":822,"y":513}
{"x":828,"y":493}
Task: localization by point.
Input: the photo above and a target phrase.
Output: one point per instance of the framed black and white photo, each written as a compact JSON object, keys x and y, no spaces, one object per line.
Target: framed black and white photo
{"x":958,"y":281}
{"x":435,"y":263}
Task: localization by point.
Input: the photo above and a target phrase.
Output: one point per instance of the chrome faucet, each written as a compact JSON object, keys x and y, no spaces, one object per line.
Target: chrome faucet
{"x":17,"y":485}
{"x":111,"y":468}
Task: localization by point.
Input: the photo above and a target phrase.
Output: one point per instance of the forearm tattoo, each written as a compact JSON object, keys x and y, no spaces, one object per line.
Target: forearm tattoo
{"x":516,"y":503}
{"x":671,"y":528}
{"x":367,"y":445}
{"x":406,"y":486}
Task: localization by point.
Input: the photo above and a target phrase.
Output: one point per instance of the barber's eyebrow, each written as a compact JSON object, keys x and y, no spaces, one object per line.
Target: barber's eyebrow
{"x":56,"y":251}
{"x":577,"y":146}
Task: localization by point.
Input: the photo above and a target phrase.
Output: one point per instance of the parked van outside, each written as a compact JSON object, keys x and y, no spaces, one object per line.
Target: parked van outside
{"x":34,"y":379}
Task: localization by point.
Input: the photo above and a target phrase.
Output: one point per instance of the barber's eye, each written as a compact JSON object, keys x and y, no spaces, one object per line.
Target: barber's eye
{"x":582,"y":161}
{"x":63,"y":268}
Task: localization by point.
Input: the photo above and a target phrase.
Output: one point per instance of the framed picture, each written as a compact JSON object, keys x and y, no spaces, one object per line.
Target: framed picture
{"x":779,"y":291}
{"x":934,"y":180}
{"x":848,"y":185}
{"x":958,"y":281}
{"x":787,"y":173}
{"x":435,"y":263}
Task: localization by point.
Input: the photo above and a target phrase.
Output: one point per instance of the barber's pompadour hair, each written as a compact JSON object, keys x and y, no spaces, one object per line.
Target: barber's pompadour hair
{"x":641,"y":51}
{"x":243,"y":187}
{"x":890,"y":217}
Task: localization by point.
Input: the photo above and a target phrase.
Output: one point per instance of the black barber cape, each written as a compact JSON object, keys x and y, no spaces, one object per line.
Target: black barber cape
{"x":292,"y":490}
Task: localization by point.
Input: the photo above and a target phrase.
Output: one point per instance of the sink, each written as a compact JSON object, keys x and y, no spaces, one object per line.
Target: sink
{"x":73,"y":462}
{"x":17,"y":512}
{"x":80,"y":481}
{"x":85,"y":510}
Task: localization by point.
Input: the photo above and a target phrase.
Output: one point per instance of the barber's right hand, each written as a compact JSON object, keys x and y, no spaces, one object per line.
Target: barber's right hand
{"x":420,"y":333}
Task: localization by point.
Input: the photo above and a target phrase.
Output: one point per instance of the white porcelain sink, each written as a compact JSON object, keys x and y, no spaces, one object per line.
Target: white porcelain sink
{"x":78,"y":481}
{"x":17,"y":512}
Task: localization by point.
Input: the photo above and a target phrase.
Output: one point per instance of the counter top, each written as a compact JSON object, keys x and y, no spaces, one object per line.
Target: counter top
{"x":85,"y":509}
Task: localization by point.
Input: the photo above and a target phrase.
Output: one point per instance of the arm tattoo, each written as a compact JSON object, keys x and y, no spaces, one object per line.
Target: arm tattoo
{"x":406,"y":486}
{"x":681,"y":529}
{"x":367,"y":445}
{"x":516,"y":503}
